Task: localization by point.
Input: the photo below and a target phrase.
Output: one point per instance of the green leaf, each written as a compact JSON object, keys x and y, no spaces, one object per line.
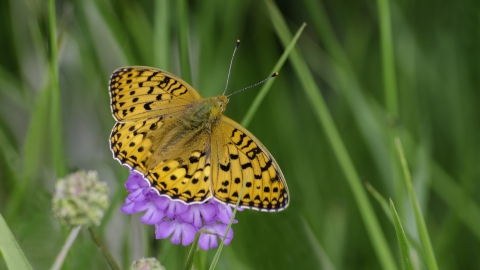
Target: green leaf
{"x":421,"y":226}
{"x":11,"y":251}
{"x":402,"y":239}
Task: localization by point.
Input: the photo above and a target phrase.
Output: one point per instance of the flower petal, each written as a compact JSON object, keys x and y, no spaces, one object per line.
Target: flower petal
{"x":208,"y":239}
{"x":127,"y":208}
{"x":161,"y":202}
{"x":164,"y":229}
{"x":224,"y":212}
{"x":153,"y":215}
{"x":135,"y":181}
{"x":180,"y":231}
{"x":197,"y":213}
{"x":175,"y":208}
{"x":188,"y":234}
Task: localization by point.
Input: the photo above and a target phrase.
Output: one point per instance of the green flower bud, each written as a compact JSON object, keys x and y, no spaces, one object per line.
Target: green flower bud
{"x":147,"y":264}
{"x":80,"y":199}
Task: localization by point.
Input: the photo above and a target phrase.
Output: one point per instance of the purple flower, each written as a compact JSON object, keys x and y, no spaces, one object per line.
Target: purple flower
{"x":178,"y":229}
{"x":198,"y":213}
{"x":209,"y":234}
{"x":176,"y":219}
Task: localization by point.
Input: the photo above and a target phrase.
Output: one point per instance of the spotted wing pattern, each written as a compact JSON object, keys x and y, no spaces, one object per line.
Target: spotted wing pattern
{"x":138,"y":93}
{"x":147,"y":104}
{"x":186,"y":179}
{"x":237,"y":156}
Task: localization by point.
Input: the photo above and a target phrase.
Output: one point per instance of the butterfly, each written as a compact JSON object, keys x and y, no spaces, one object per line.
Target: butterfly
{"x":185,"y":148}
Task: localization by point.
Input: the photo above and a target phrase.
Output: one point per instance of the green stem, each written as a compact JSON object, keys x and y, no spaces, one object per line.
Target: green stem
{"x":389,"y":78}
{"x":266,"y":87}
{"x":390,"y":88}
{"x":55,"y":123}
{"x":66,"y":247}
{"x":191,"y":253}
{"x":421,"y":226}
{"x":161,"y":41}
{"x":183,"y":41}
{"x":108,"y":256}
{"x":402,"y":239}
{"x":217,"y":254}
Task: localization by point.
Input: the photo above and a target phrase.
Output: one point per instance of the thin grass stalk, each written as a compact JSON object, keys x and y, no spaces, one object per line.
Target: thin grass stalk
{"x":106,"y":253}
{"x":387,"y":210}
{"x":161,"y":38}
{"x":66,"y":247}
{"x":390,"y":86}
{"x":191,"y":253}
{"x":219,"y":250}
{"x":266,"y":87}
{"x":421,"y":226}
{"x":388,"y":60}
{"x":402,"y":239}
{"x":55,"y":122}
{"x":183,"y":41}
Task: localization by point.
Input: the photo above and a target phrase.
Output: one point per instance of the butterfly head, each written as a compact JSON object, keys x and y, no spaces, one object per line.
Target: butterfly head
{"x":222,"y":102}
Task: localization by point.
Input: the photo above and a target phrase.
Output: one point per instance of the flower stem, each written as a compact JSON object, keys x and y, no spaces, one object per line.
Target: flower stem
{"x":108,"y":256}
{"x":191,"y":253}
{"x":66,"y":247}
{"x":217,"y":254}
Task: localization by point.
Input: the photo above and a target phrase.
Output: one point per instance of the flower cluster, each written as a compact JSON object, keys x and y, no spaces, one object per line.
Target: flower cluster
{"x":177,"y":219}
{"x":147,"y":264}
{"x":80,"y":199}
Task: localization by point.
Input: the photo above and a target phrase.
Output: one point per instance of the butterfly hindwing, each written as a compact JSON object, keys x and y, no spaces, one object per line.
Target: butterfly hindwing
{"x":188,"y":181}
{"x":142,"y":92}
{"x":237,"y":156}
{"x":182,"y":175}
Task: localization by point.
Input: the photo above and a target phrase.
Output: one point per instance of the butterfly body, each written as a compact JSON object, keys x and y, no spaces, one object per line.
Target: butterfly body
{"x":205,"y":113}
{"x":185,"y":147}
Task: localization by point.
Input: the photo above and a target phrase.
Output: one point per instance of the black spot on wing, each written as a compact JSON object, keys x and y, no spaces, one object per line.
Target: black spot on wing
{"x":225,"y":168}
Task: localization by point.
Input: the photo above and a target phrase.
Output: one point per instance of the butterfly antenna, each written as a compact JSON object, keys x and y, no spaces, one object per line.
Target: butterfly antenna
{"x":268,"y":78}
{"x":230,"y":68}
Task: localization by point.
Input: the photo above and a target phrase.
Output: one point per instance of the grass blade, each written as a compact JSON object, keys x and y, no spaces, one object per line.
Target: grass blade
{"x":162,"y":38}
{"x":186,"y":71}
{"x":402,"y":239}
{"x":220,"y":247}
{"x":55,"y":123}
{"x":386,"y":208}
{"x":10,"y":250}
{"x":421,"y":226}
{"x":389,"y":79}
{"x":266,"y":87}
{"x":66,"y":247}
{"x":191,"y":253}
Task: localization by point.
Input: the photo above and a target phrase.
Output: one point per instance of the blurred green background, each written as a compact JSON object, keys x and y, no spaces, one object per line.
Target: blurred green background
{"x":385,"y":69}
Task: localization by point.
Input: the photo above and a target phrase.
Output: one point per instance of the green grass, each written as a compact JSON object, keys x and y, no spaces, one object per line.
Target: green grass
{"x":361,"y":74}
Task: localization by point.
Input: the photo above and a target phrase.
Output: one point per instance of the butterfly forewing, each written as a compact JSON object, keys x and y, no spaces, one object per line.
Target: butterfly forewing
{"x":237,"y":156}
{"x":138,"y":93}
